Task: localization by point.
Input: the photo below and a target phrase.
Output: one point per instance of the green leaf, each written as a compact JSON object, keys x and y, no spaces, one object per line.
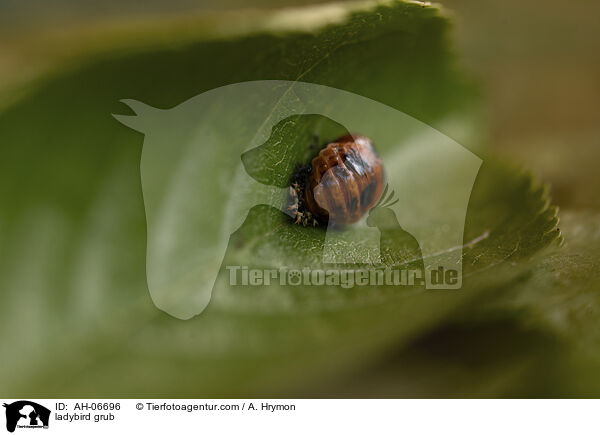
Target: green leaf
{"x":559,"y":298}
{"x":73,"y":228}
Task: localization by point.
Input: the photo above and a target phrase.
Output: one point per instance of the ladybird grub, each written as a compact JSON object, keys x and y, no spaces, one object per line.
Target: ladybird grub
{"x":339,"y":186}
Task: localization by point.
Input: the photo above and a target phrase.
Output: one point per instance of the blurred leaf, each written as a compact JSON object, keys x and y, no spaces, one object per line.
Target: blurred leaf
{"x":538,"y":336}
{"x":76,"y":314}
{"x":560,"y":297}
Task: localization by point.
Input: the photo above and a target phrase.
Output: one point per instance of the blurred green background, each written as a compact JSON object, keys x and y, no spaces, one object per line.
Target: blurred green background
{"x":523,"y":80}
{"x":537,"y":66}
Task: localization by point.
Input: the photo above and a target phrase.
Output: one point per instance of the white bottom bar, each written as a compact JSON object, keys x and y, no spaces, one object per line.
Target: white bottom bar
{"x":264,"y":416}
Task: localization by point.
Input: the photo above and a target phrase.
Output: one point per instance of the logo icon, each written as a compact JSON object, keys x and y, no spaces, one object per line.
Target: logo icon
{"x":209,"y":161}
{"x":26,"y":414}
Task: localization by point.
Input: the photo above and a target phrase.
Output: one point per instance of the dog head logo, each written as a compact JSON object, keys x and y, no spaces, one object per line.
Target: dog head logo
{"x":199,"y":183}
{"x":26,"y":414}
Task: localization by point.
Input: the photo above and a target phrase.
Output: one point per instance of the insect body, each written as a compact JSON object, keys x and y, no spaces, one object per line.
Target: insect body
{"x":342,"y":183}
